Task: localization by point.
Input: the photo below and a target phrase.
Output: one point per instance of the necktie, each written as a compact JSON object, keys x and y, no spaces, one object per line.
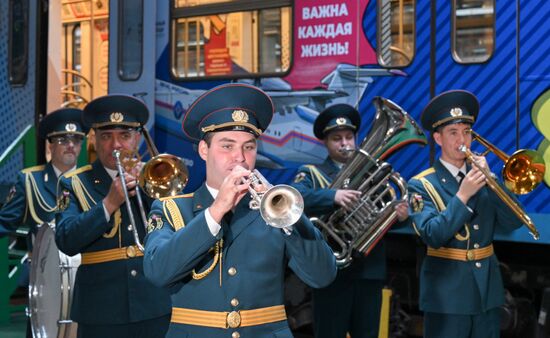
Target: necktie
{"x":460,"y":176}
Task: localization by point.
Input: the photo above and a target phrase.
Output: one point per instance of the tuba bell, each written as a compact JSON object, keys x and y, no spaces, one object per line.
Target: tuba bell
{"x":359,"y":228}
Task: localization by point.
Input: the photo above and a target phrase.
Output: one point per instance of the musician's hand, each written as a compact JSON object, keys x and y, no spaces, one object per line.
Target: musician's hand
{"x":472,"y":182}
{"x":402,"y":210}
{"x":481,"y":161}
{"x":345,"y":198}
{"x":115,"y":197}
{"x":233,"y":188}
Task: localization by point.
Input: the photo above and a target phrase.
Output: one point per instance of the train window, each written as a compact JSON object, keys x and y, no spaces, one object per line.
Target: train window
{"x":473,"y":30}
{"x":230,"y":39}
{"x":130,"y":40}
{"x":396,"y":36}
{"x":18,"y":51}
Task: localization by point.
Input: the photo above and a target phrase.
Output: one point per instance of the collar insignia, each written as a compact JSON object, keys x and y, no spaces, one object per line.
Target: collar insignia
{"x":239,"y":116}
{"x":154,"y":223}
{"x":299,"y":178}
{"x":11,"y":194}
{"x":456,"y":112}
{"x":117,"y":117}
{"x":416,"y":202}
{"x":63,"y":200}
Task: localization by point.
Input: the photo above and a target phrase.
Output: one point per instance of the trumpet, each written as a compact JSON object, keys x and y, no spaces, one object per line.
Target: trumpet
{"x":280,"y":206}
{"x":522,"y":172}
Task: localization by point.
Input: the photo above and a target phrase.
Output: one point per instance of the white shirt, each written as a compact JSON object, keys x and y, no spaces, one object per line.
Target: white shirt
{"x":213,"y":226}
{"x":113,"y":174}
{"x":453,"y":169}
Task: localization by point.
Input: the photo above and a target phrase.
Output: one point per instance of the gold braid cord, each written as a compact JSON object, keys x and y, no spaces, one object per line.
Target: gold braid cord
{"x":438,"y":201}
{"x":174,"y":217}
{"x":218,"y":248}
{"x":83,"y":196}
{"x":316,"y":176}
{"x":31,"y":189}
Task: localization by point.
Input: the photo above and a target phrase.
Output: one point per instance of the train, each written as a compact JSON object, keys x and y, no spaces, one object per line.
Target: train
{"x":307,"y":55}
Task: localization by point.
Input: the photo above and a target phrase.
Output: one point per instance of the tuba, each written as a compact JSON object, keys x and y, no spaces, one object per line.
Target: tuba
{"x":359,"y":228}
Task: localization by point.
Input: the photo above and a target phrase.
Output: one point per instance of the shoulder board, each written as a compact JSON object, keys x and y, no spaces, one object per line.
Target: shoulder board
{"x":78,"y":171}
{"x":35,"y":168}
{"x":425,"y":173}
{"x":174,"y":197}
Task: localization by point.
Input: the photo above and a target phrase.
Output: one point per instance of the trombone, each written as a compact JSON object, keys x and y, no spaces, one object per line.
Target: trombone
{"x":522,"y":172}
{"x":163,"y":175}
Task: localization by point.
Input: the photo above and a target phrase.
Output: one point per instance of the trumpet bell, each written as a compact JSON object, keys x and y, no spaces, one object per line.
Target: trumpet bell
{"x":163,"y":175}
{"x":523,"y":171}
{"x":281,"y":206}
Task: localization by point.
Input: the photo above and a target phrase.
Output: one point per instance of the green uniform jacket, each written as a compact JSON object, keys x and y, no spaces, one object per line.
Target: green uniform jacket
{"x":114,"y":292}
{"x":251,"y":272}
{"x":453,"y":286}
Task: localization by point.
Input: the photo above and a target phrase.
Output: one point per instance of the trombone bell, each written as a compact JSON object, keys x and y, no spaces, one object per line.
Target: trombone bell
{"x":163,"y":175}
{"x":523,"y":171}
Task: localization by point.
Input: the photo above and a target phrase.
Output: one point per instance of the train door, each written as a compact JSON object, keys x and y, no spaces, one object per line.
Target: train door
{"x":132,"y":71}
{"x":78,"y":52}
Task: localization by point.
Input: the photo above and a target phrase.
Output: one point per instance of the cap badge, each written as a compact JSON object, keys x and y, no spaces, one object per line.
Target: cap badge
{"x":117,"y":117}
{"x":340,"y":121}
{"x":456,"y":112}
{"x":239,"y":116}
{"x":70,"y":127}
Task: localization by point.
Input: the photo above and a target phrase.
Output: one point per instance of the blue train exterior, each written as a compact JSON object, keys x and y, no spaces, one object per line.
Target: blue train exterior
{"x":508,"y":85}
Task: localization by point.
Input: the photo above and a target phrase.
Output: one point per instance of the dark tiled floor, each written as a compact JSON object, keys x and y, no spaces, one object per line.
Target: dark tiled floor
{"x":16,"y":328}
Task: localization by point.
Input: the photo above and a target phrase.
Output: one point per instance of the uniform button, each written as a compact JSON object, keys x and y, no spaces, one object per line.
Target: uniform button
{"x":130,"y":227}
{"x":234,"y":302}
{"x":232,"y":271}
{"x":235,"y":335}
{"x":133,"y":273}
{"x":476,"y":246}
{"x":476,"y":227}
{"x":478,"y":265}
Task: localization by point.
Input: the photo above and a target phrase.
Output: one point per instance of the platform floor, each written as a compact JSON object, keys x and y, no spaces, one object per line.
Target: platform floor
{"x":16,"y":328}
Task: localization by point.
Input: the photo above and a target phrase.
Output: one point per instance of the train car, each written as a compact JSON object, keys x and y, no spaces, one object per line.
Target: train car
{"x":307,"y":54}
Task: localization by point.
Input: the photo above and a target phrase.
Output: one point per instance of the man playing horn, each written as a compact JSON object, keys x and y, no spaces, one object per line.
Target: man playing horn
{"x":223,"y":263}
{"x":456,"y":216}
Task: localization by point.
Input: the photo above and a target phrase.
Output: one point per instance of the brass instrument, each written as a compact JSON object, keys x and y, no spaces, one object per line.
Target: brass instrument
{"x":117,"y":154}
{"x":280,"y":205}
{"x":163,"y":175}
{"x":522,"y":172}
{"x":359,"y":228}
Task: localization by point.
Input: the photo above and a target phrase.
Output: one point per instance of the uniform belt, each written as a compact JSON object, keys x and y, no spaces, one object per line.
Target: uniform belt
{"x":462,"y":254}
{"x":110,"y":255}
{"x":231,"y":319}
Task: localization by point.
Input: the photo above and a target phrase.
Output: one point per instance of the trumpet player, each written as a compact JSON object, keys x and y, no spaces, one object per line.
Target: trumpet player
{"x":222,"y":262}
{"x":352,"y":303}
{"x":456,"y":216}
{"x":112,"y":297}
